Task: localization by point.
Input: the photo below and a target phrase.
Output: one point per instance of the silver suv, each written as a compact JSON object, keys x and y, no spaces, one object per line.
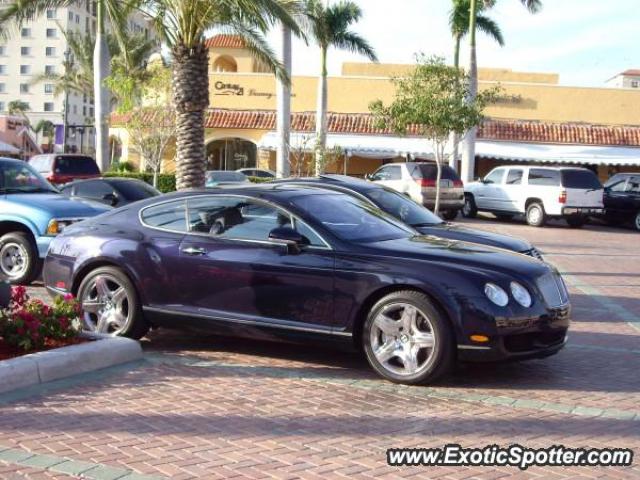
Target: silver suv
{"x":418,"y":181}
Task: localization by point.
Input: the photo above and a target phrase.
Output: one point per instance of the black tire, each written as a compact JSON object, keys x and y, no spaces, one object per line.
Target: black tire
{"x":469,"y":210}
{"x":536,"y":216}
{"x":576,"y":221}
{"x":30,"y":265}
{"x":449,"y":214}
{"x":135,"y":326}
{"x":439,"y":359}
{"x":636,"y":221}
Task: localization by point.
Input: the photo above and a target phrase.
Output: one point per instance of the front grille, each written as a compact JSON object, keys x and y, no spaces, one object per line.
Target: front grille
{"x":553,"y":290}
{"x":526,"y":342}
{"x":534,"y":252}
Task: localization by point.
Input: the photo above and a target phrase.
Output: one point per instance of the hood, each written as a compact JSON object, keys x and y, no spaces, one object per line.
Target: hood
{"x":457,"y":232}
{"x":462,"y":254}
{"x":57,"y":205}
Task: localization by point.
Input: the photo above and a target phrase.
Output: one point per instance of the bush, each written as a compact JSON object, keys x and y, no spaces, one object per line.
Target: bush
{"x":29,"y":324}
{"x":166,"y":181}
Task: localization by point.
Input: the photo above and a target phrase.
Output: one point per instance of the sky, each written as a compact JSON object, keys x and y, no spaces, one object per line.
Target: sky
{"x":585,"y":41}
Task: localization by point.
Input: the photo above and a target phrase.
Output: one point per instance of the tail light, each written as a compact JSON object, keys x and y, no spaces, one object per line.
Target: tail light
{"x":458,"y":184}
{"x":52,"y":179}
{"x":563,"y":197}
{"x":424,"y":182}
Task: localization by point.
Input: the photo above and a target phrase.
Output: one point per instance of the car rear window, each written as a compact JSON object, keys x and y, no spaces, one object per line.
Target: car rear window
{"x":429,"y":171}
{"x":545,"y":177}
{"x":580,"y":179}
{"x":226,"y":177}
{"x":134,"y":191}
{"x":76,"y":165}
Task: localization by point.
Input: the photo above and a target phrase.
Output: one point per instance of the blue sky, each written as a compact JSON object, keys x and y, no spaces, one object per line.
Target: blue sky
{"x":585,"y":41}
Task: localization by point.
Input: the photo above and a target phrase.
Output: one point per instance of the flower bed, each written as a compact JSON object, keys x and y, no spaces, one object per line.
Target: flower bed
{"x":27,"y":325}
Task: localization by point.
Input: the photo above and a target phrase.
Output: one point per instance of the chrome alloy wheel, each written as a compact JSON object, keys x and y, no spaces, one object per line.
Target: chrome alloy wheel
{"x":105,"y":306}
{"x":402,"y":339}
{"x":535,"y":215}
{"x":14,"y":260}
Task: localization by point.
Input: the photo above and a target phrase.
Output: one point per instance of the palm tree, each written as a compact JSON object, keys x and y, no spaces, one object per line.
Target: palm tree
{"x":329,"y":26}
{"x":18,"y":107}
{"x":116,"y":12}
{"x":46,"y":128}
{"x":182,"y":25}
{"x":469,"y":153}
{"x":283,"y":113}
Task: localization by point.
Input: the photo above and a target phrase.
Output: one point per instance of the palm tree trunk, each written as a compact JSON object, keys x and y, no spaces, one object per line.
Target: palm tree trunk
{"x":455,"y":138}
{"x":469,"y":145}
{"x":284,"y":108}
{"x":101,"y":70}
{"x":321,"y":115}
{"x":191,"y":99}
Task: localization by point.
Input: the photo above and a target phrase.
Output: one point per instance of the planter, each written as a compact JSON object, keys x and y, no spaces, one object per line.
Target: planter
{"x":97,"y":352}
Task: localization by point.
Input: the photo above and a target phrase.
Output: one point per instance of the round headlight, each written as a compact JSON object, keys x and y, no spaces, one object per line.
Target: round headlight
{"x":521,"y":294}
{"x":496,"y":294}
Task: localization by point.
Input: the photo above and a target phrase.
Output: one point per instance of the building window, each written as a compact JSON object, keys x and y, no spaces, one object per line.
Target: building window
{"x":26,"y":32}
{"x":91,"y":111}
{"x":78,"y":19}
{"x":48,"y":106}
{"x":52,"y":32}
{"x":3,"y":69}
{"x":48,"y":88}
{"x":25,"y":69}
{"x":50,"y":51}
{"x":86,"y":25}
{"x":24,"y":88}
{"x":49,"y":69}
{"x":70,"y":16}
{"x":84,"y":111}
{"x":634,"y":83}
{"x":3,"y":50}
{"x":51,"y":13}
{"x":75,"y":109}
{"x":2,"y":107}
{"x":25,"y":51}
{"x":3,"y":87}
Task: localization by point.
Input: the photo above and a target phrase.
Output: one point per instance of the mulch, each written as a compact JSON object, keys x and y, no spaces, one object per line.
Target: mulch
{"x":8,"y":351}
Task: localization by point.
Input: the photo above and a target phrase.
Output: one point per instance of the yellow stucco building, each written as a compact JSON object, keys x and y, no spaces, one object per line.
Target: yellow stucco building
{"x":535,"y":119}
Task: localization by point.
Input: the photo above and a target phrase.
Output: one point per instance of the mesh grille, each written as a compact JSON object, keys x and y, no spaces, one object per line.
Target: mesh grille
{"x":553,"y":290}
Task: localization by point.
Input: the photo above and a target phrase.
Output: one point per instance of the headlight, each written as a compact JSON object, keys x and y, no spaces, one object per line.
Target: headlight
{"x":496,"y":294}
{"x":521,"y":294}
{"x":56,"y":226}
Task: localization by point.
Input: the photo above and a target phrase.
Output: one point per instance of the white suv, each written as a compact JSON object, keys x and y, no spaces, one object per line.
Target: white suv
{"x":538,"y":192}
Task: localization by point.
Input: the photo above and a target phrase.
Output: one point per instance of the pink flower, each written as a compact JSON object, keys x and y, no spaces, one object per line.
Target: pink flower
{"x":68,"y":297}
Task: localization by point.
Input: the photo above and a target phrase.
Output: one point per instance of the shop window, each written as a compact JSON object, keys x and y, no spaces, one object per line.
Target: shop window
{"x":231,"y":154}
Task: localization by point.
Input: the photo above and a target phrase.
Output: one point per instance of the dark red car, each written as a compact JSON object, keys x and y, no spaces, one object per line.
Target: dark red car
{"x":64,"y":167}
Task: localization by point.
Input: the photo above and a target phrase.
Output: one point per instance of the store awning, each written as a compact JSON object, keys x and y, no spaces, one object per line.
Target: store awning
{"x":6,"y":148}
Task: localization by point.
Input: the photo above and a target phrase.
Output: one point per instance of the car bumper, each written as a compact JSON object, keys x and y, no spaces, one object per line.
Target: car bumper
{"x":566,"y":211}
{"x":521,"y":339}
{"x":43,"y":245}
{"x":445,"y":203}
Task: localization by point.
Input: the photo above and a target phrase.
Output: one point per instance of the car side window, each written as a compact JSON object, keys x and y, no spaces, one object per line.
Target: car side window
{"x":514,"y":177}
{"x":380,"y":174}
{"x":495,"y":177}
{"x":617,"y":186}
{"x":633,"y":185}
{"x":395,"y":172}
{"x":166,"y":216}
{"x":544,"y":177}
{"x":96,"y":190}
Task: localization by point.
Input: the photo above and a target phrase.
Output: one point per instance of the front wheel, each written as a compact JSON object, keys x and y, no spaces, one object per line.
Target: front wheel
{"x":536,"y":216}
{"x":110,"y":304}
{"x":469,"y":209}
{"x":19,"y":261}
{"x":407,"y":340}
{"x":449,"y":214}
{"x":636,"y":221}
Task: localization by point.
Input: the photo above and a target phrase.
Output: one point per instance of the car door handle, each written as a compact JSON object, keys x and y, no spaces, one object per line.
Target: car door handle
{"x":194,"y":251}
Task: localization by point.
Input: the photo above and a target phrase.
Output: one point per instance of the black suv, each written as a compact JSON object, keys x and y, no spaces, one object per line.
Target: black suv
{"x":622,"y":199}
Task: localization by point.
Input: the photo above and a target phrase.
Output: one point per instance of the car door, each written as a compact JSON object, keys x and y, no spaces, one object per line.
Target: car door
{"x":511,"y":190}
{"x":231,"y":269}
{"x":487,"y":195}
{"x":615,"y":197}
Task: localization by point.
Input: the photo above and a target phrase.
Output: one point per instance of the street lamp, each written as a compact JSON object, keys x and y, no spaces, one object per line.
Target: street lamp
{"x":68,"y":65}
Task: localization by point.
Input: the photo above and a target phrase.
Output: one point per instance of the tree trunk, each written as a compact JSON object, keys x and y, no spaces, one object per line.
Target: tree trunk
{"x":284,"y":109}
{"x":439,"y":158}
{"x":321,"y":115}
{"x":455,"y":138}
{"x":469,"y":144}
{"x":191,"y":99}
{"x":101,"y":70}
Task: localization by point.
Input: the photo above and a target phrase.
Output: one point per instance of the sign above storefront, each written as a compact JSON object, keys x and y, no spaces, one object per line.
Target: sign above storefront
{"x":225,"y":89}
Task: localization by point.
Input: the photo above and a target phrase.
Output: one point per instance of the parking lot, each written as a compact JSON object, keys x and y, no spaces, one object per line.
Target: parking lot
{"x":228,"y":408}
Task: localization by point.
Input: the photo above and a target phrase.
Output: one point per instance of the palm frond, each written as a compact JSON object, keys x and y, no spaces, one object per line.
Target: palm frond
{"x":490,"y":28}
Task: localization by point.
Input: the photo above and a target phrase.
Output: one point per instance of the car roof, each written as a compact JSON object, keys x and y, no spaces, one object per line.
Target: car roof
{"x":105,"y":179}
{"x":266,"y":190}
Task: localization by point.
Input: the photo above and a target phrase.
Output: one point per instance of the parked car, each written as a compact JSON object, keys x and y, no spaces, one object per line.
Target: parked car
{"x":216,"y":178}
{"x":409,"y":212}
{"x":417,"y":180}
{"x":289,"y":262}
{"x":32,"y":213}
{"x":538,"y":192}
{"x":257,"y":172}
{"x":115,"y":192}
{"x":622,"y":199}
{"x":63,"y":168}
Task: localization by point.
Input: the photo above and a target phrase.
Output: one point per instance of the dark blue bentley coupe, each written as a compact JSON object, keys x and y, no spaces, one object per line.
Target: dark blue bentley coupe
{"x":301,"y":263}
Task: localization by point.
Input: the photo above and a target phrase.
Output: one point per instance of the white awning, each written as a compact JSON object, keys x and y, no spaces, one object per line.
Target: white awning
{"x":8,"y":149}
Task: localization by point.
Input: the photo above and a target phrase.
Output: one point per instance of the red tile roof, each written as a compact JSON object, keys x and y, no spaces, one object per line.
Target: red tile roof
{"x":491,"y":129}
{"x":225,"y":41}
{"x":633,"y":72}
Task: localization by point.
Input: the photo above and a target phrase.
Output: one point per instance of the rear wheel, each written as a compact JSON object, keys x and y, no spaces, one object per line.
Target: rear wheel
{"x":469,"y":210}
{"x":576,"y":222}
{"x":449,"y":214}
{"x":110,"y":304}
{"x":407,"y":340}
{"x":19,"y":261}
{"x":636,"y":221}
{"x":536,"y":216}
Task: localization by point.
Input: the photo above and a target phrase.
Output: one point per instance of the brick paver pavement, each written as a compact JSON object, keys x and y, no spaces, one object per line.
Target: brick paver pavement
{"x":225,"y":408}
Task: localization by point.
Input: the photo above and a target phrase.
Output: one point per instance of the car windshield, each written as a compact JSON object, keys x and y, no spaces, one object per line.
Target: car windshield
{"x":580,"y":179}
{"x":134,"y":191}
{"x":215,"y":177}
{"x":402,"y":208}
{"x":351,"y":219}
{"x":20,"y":177}
{"x":76,"y":165}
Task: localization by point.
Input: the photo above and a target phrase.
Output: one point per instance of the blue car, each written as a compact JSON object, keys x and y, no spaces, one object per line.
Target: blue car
{"x":32,"y":213}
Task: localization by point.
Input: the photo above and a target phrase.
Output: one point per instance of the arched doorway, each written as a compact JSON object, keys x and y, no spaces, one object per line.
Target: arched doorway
{"x":225,"y":63}
{"x":231,"y":154}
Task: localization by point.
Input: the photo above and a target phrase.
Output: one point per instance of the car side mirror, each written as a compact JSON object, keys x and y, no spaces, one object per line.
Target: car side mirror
{"x":111,"y":198}
{"x":293,"y":240}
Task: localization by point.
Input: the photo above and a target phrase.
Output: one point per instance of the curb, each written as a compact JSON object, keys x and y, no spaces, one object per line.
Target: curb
{"x":36,"y":368}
